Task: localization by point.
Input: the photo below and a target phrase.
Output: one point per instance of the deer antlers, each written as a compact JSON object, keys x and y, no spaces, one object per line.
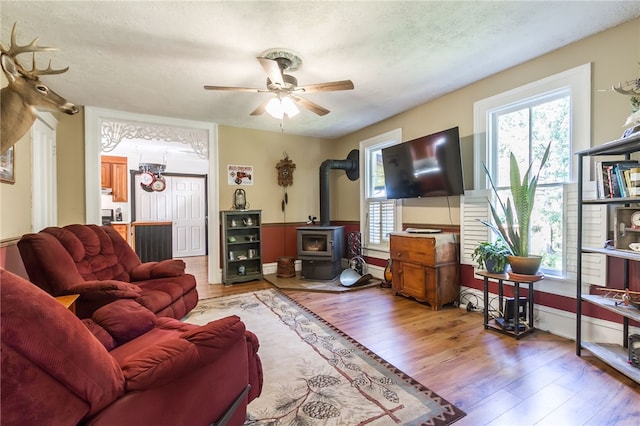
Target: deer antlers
{"x":25,"y":92}
{"x":631,"y":87}
{"x":15,"y":49}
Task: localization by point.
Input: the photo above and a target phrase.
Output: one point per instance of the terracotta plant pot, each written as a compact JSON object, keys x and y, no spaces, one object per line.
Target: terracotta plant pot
{"x":525,"y":265}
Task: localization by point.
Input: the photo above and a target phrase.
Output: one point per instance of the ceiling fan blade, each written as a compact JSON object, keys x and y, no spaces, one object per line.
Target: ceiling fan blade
{"x":234,"y":89}
{"x":273,"y":70}
{"x":261,"y":108}
{"x":313,"y":107}
{"x":327,"y":87}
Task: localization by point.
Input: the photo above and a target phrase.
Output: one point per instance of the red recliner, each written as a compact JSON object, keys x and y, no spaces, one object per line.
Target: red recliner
{"x":98,"y":264}
{"x":124,"y":366}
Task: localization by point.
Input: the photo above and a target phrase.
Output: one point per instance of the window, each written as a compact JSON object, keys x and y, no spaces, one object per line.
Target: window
{"x":524,"y":121}
{"x":526,"y":129}
{"x":378,"y":215}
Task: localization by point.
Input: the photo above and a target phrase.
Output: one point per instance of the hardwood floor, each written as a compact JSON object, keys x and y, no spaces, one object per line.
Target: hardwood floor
{"x":495,"y":379}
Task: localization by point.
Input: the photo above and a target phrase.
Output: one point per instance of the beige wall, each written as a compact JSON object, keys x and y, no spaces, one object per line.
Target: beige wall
{"x":15,"y":199}
{"x":614,"y":54}
{"x":263,"y":150}
{"x":70,"y":162}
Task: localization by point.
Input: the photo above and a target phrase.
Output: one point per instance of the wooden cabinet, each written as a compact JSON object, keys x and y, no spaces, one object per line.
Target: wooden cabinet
{"x":123,"y":230}
{"x":113,"y":172}
{"x":241,"y":245}
{"x":426,"y":267}
{"x":616,"y":355}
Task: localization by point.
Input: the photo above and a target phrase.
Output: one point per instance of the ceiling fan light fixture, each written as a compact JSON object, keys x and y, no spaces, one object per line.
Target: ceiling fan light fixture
{"x":274,"y":108}
{"x":277,"y":107}
{"x":289,"y":107}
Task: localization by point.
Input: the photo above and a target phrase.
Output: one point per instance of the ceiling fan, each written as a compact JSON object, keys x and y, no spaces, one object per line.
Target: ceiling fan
{"x":285,"y":86}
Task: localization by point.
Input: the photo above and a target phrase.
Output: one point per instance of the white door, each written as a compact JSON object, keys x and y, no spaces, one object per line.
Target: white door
{"x":183,"y":203}
{"x":153,"y":206}
{"x":189,"y":216}
{"x":44,"y":172}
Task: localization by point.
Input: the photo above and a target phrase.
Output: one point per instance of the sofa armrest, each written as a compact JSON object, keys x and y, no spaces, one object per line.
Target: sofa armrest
{"x":114,"y":289}
{"x":164,"y":269}
{"x":160,"y":364}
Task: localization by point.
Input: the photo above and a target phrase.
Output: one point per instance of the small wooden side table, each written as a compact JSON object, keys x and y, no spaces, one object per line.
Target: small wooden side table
{"x":69,"y":301}
{"x":516,"y":279}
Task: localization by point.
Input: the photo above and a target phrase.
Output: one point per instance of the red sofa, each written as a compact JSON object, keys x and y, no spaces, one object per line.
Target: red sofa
{"x":98,"y":264}
{"x":124,"y":366}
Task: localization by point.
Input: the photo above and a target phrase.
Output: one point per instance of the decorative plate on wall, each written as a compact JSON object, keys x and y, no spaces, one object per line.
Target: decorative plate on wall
{"x":159,"y":185}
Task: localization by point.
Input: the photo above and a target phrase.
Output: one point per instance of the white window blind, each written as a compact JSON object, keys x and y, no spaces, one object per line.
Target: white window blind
{"x":381,"y":222}
{"x":594,"y":233}
{"x":473,"y":209}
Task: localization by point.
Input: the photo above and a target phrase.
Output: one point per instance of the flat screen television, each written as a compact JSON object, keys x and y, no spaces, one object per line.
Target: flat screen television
{"x":429,"y":166}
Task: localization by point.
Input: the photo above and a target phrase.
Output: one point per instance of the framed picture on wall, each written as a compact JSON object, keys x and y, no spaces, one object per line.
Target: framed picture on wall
{"x":7,"y":166}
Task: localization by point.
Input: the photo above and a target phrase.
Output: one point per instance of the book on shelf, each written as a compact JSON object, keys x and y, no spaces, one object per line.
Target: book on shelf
{"x":613,"y":178}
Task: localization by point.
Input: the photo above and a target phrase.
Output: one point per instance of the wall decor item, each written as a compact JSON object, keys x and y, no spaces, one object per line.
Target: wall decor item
{"x":151,"y":178}
{"x":159,"y":184}
{"x":25,"y":92}
{"x":239,"y":175}
{"x":7,"y":166}
{"x":285,"y":169}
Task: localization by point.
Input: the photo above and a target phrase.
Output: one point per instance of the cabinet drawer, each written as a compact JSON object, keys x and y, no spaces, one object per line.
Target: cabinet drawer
{"x":416,"y":250}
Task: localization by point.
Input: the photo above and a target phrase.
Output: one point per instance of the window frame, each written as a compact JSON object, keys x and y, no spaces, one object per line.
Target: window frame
{"x":383,"y":140}
{"x":578,"y":82}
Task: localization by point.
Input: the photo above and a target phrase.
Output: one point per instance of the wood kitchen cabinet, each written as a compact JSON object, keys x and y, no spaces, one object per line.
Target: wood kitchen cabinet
{"x":123,"y":229}
{"x":426,"y":267}
{"x":113,"y":172}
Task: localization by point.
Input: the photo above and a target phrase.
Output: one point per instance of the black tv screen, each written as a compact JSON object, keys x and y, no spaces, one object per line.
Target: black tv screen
{"x":429,"y":166}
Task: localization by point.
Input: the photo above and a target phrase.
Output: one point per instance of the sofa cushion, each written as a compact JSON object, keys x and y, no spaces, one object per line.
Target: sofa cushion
{"x":163,"y":269}
{"x":86,"y":369}
{"x":177,"y":356}
{"x":48,"y":263}
{"x":92,"y":251}
{"x":100,"y":333}
{"x":124,"y":320}
{"x":158,"y":294}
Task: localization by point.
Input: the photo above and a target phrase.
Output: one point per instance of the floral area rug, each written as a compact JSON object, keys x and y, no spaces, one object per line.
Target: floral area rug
{"x":316,"y":375}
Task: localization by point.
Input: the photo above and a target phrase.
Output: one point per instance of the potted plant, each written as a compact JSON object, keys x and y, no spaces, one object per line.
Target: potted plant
{"x":512,"y":219}
{"x":492,"y":256}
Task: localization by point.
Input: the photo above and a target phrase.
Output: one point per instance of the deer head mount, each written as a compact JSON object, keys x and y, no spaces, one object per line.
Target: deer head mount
{"x":25,"y":92}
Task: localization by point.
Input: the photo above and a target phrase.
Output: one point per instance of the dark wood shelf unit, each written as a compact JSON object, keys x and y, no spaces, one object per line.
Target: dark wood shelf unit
{"x":241,"y":245}
{"x":615,"y":355}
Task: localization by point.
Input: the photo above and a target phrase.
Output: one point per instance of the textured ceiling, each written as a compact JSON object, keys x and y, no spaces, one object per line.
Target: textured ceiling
{"x":155,"y":57}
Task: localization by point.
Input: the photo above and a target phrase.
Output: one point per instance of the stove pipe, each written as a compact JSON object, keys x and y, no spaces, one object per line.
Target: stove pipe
{"x":350,"y":165}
